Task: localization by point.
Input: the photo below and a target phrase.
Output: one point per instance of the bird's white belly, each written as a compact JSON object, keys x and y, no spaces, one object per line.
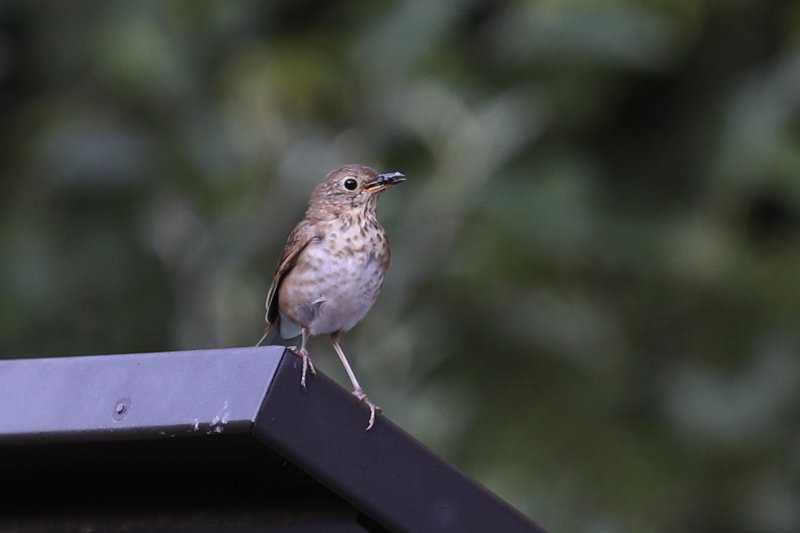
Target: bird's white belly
{"x":346,"y":297}
{"x":340,"y":288}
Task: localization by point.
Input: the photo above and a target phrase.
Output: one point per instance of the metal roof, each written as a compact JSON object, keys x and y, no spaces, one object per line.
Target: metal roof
{"x":218,"y":438}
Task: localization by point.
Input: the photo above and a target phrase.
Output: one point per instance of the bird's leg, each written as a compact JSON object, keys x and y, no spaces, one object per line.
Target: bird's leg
{"x":302,"y":353}
{"x":358,"y":392}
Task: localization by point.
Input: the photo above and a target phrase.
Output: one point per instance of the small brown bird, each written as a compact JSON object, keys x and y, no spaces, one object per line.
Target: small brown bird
{"x":332,"y":266}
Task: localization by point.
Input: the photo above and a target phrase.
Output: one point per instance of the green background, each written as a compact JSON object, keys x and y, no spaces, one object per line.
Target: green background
{"x":593,"y":305}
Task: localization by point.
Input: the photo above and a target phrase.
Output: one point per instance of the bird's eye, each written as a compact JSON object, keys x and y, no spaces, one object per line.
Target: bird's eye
{"x":350,"y":184}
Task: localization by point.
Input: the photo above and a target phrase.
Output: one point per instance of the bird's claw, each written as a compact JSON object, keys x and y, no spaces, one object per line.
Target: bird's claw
{"x":307,"y":364}
{"x":358,"y":393}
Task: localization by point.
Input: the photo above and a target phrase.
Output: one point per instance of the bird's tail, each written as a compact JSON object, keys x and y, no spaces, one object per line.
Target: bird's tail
{"x":271,"y":336}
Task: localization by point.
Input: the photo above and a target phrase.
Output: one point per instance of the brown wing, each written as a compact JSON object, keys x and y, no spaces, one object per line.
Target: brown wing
{"x":298,"y":239}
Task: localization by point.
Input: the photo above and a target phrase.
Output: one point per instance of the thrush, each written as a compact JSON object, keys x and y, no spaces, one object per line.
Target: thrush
{"x":332,"y":267}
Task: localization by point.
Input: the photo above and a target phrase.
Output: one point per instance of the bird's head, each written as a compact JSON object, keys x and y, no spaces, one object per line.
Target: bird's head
{"x":352,"y":187}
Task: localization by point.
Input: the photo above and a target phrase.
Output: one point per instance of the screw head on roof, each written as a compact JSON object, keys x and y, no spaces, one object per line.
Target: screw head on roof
{"x":121,"y":408}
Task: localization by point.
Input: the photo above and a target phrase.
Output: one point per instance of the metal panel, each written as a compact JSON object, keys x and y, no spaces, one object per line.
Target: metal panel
{"x":383,"y":472}
{"x":156,"y":394}
{"x":103,"y":422}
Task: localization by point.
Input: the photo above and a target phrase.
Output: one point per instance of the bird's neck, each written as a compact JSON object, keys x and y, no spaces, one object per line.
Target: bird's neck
{"x":354,"y":215}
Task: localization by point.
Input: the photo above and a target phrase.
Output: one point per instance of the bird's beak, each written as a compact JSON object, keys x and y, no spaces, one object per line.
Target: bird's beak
{"x":384,"y":180}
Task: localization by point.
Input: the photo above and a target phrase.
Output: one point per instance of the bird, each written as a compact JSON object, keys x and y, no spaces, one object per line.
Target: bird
{"x":332,"y":267}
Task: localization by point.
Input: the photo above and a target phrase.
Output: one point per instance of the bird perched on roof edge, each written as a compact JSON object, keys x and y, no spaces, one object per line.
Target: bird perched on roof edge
{"x":332,"y":267}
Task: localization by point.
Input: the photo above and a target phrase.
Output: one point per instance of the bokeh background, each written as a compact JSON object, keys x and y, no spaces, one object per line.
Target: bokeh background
{"x":594,"y":302}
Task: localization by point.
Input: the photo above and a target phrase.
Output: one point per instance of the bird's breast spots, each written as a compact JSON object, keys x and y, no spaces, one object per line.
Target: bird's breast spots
{"x":372,"y":260}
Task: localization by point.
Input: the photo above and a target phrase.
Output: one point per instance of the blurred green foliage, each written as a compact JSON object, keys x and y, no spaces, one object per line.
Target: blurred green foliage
{"x":594,"y":301}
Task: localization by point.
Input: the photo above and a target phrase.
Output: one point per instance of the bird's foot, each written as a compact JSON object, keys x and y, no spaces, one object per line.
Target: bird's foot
{"x":358,"y":393}
{"x":303,"y":354}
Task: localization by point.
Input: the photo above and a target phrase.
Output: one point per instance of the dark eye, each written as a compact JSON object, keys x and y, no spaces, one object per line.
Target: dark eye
{"x":350,"y":184}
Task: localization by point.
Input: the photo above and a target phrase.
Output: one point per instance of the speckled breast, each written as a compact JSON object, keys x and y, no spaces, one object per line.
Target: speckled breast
{"x":338,"y":277}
